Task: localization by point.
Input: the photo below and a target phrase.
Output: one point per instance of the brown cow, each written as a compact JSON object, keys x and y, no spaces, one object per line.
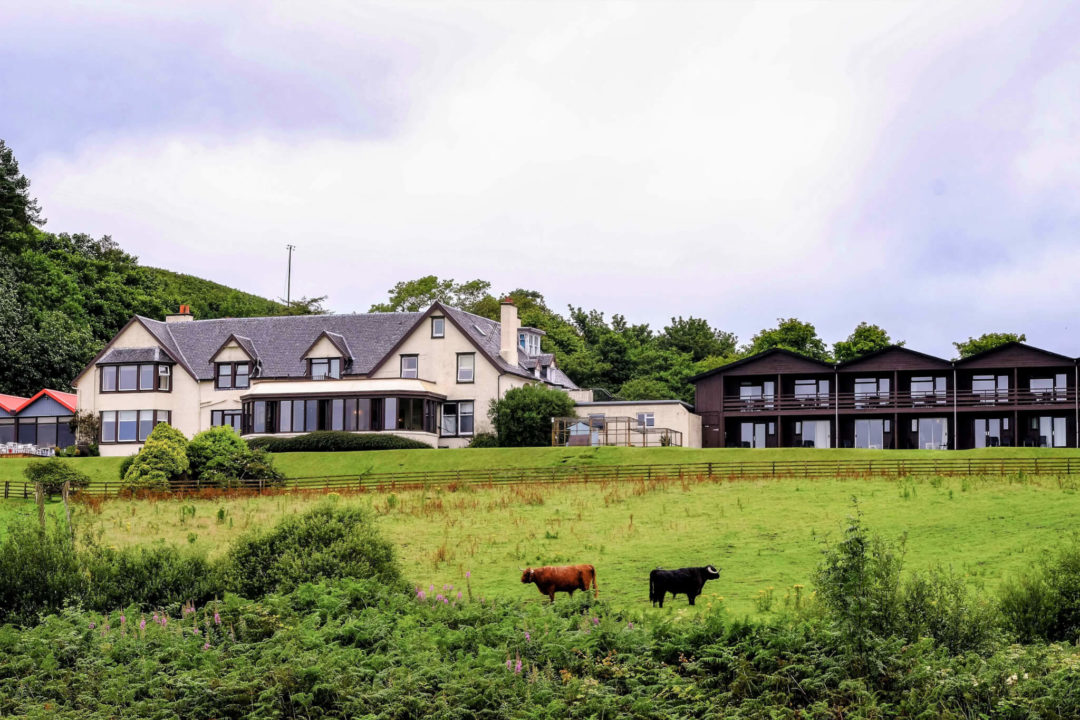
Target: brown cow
{"x":562,"y":578}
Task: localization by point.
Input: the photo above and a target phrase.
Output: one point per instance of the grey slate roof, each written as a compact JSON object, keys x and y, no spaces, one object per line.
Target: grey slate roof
{"x":279,"y":343}
{"x":133,"y":355}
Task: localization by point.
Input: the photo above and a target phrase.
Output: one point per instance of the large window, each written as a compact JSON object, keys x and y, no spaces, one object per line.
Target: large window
{"x":928,"y":390}
{"x":7,"y":430}
{"x":758,"y":395}
{"x":646,"y":420}
{"x":409,"y":366}
{"x":752,"y":435}
{"x":351,"y":414}
{"x":870,"y":433}
{"x":228,"y":418}
{"x":1051,"y":431}
{"x":145,"y":377}
{"x":128,"y":426}
{"x":323,"y":368}
{"x":457,"y":419}
{"x":466,"y":367}
{"x":933,"y":433}
{"x":990,"y":388}
{"x":871,"y":391}
{"x":988,"y":431}
{"x":232,"y":376}
{"x":814,"y":433}
{"x":812,"y":392}
{"x":1049,"y":389}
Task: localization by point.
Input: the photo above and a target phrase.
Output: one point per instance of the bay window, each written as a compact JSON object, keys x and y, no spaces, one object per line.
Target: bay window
{"x":135,"y":377}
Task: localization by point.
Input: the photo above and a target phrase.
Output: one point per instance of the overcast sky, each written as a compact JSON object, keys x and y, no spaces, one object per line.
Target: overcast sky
{"x":912,"y":165}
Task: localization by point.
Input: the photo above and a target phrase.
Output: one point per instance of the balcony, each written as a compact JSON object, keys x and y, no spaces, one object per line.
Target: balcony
{"x":900,"y":400}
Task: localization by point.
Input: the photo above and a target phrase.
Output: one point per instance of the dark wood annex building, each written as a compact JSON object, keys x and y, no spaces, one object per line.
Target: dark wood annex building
{"x":1012,"y":395}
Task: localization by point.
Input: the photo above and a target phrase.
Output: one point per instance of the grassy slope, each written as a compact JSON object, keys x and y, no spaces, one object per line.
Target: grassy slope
{"x":349,"y":463}
{"x":762,"y":534}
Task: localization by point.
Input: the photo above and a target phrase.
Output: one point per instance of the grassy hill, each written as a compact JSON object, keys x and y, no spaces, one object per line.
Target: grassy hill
{"x":209,"y":299}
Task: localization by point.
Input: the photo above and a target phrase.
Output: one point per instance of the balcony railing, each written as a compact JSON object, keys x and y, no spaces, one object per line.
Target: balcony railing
{"x":907,"y":399}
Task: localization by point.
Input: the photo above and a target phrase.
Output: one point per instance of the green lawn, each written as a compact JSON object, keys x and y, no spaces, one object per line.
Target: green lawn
{"x":762,"y":534}
{"x":354,"y":463}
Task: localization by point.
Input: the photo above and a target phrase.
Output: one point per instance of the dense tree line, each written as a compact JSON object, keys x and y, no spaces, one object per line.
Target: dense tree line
{"x":635,"y":362}
{"x":63,"y":296}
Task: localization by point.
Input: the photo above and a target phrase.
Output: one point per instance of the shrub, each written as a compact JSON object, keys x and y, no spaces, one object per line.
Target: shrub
{"x":39,"y":571}
{"x":522,"y":417}
{"x":149,"y":577}
{"x":219,"y":456}
{"x":484,"y":440}
{"x":125,"y":465}
{"x":1044,"y":604}
{"x":336,"y":441}
{"x":938,"y":604}
{"x":53,"y":473}
{"x":162,"y":460}
{"x":326,"y":542}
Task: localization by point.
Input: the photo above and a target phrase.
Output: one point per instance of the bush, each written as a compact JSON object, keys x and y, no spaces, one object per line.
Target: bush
{"x":39,"y":571}
{"x":53,"y":473}
{"x":326,"y":542}
{"x":219,"y":456}
{"x":162,"y":460}
{"x":522,"y":418}
{"x":148,"y":577}
{"x":336,"y":441}
{"x":1044,"y":604}
{"x":938,"y":604}
{"x":125,"y":465}
{"x":484,"y":440}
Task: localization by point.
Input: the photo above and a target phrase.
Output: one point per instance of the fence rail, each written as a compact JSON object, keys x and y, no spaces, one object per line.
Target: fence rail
{"x":732,"y":470}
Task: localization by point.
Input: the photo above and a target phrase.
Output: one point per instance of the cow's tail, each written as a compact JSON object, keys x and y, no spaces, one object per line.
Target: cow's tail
{"x":596,"y":588}
{"x":652,"y":589}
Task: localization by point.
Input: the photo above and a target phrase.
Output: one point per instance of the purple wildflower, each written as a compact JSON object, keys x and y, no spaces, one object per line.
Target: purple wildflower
{"x":596,"y":621}
{"x":421,"y":595}
{"x":468,"y":574}
{"x":517,"y":665}
{"x":528,"y":637}
{"x":458,"y":594}
{"x":142,"y":624}
{"x":509,"y":664}
{"x":206,"y":646}
{"x":93,"y":624}
{"x":217,"y":618}
{"x":439,"y":598}
{"x":122,"y":619}
{"x":630,"y":626}
{"x":197,"y":631}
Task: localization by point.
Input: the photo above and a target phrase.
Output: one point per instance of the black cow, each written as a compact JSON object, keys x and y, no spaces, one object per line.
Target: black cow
{"x":688,"y":581}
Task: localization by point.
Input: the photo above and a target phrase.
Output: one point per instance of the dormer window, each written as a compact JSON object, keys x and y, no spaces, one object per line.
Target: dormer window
{"x":438,"y":327}
{"x":529,"y":343}
{"x":323,"y":368}
{"x":232,"y":376}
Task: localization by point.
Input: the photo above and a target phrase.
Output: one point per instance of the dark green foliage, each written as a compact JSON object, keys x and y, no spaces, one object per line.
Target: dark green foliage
{"x":484,"y":440}
{"x":218,"y":456}
{"x":863,"y":340}
{"x":790,"y":334}
{"x":644,"y":389}
{"x":522,"y":417}
{"x":147,"y":577}
{"x":696,"y":338}
{"x":161,"y":460}
{"x":335,"y":441}
{"x":18,"y":211}
{"x":1044,"y":603}
{"x":324,"y":543}
{"x":986,"y":341}
{"x":419,"y":294}
{"x":39,"y":571}
{"x":209,"y":299}
{"x":125,"y":465}
{"x":53,"y":473}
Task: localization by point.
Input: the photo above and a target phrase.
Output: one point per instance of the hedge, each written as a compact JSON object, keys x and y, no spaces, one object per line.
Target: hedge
{"x":332,"y":441}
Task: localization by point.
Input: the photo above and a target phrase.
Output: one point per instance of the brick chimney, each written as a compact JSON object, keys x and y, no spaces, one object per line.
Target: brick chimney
{"x":183,"y":316}
{"x":508,"y":320}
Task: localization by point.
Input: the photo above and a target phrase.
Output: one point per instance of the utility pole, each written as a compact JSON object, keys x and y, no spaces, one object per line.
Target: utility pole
{"x":288,"y":275}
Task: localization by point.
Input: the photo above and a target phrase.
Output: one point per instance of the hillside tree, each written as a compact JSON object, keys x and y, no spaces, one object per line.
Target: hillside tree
{"x":863,"y":340}
{"x":790,"y":334}
{"x":986,"y":341}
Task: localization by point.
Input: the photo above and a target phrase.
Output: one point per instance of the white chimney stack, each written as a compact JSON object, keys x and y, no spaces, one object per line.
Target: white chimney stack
{"x":183,"y":316}
{"x":508,"y":320}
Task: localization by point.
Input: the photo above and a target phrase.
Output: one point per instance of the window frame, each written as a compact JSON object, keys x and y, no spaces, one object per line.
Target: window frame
{"x":114,"y":370}
{"x":416,"y":367}
{"x":330,"y":361}
{"x":442,"y":330}
{"x":156,"y":416}
{"x":472,"y":370}
{"x":233,"y":375}
{"x":646,"y":420}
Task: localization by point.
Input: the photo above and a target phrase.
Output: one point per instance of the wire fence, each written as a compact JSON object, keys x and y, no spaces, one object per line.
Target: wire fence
{"x":734,"y":470}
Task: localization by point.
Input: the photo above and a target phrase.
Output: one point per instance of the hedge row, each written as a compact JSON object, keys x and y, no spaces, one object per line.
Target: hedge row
{"x":332,"y":441}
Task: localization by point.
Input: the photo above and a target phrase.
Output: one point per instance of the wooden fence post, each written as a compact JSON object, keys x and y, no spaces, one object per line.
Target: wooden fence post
{"x":39,"y":498}
{"x":25,"y":492}
{"x":7,"y":488}
{"x":64,"y":492}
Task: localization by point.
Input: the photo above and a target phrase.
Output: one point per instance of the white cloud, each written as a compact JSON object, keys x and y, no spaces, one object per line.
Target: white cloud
{"x":652,"y":160}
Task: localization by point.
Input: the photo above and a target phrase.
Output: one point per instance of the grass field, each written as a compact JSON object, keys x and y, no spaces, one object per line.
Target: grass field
{"x":103,"y":470}
{"x":762,"y":534}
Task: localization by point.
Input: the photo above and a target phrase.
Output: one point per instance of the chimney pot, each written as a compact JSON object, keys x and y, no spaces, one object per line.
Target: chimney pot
{"x":184,"y":315}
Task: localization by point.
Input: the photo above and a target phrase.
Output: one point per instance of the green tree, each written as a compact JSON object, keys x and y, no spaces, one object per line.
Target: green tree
{"x":53,"y":473}
{"x":790,"y":334}
{"x":986,"y":341}
{"x":162,"y":460}
{"x":419,"y":294}
{"x":522,"y":417}
{"x":645,"y":389}
{"x":864,"y":339}
{"x":697,"y":338}
{"x":18,"y":211}
{"x":219,"y":456}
